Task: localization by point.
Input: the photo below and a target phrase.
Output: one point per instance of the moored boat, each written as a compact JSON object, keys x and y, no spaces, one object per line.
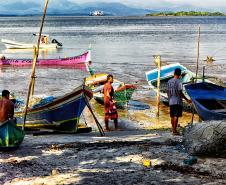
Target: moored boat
{"x":11,"y":136}
{"x":167,"y":73}
{"x":62,"y":113}
{"x":208,"y":99}
{"x":123,"y":92}
{"x":122,"y":95}
{"x":97,"y":13}
{"x":69,"y":61}
{"x":45,"y":44}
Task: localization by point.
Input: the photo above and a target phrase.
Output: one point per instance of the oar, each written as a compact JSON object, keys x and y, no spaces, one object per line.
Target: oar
{"x":31,"y":85}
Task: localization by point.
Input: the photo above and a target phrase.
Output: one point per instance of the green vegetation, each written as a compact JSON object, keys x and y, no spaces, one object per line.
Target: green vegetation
{"x":191,"y":13}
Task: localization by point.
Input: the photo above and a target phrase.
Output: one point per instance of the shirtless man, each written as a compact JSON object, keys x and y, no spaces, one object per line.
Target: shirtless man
{"x":6,"y":107}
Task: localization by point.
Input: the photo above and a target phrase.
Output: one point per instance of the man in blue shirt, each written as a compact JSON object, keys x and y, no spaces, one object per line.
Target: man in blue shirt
{"x":175,"y":96}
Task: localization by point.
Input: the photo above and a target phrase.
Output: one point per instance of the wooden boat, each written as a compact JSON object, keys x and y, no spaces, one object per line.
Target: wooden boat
{"x":167,"y":73}
{"x":122,"y":95}
{"x":123,"y":92}
{"x":10,"y":44}
{"x":61,"y":114}
{"x":208,"y":99}
{"x":11,"y":136}
{"x":69,"y":61}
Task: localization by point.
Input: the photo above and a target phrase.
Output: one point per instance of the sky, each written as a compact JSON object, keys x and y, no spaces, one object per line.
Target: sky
{"x":149,"y":4}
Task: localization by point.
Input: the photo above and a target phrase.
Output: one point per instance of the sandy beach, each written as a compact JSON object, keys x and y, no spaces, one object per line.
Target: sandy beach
{"x":116,"y":158}
{"x":144,"y":152}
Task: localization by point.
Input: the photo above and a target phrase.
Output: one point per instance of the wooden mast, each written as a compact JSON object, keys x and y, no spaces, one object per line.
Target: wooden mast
{"x":36,"y":52}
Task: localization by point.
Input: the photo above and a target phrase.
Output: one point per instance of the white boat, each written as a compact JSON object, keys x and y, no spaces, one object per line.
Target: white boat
{"x":97,"y":13}
{"x":45,"y":44}
{"x":167,"y":73}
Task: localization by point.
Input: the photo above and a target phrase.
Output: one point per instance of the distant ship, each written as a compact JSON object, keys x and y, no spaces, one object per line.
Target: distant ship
{"x":97,"y":13}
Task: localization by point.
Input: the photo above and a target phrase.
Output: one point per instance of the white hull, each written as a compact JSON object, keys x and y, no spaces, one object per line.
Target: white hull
{"x":20,"y":45}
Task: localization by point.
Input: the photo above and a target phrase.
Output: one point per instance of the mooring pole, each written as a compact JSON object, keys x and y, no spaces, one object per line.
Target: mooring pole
{"x":158,"y":62}
{"x":197,"y":59}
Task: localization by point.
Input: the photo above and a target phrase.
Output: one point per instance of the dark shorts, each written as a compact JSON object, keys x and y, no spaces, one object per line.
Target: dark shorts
{"x":176,"y":110}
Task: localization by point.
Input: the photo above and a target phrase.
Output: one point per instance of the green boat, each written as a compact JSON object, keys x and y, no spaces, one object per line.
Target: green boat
{"x":11,"y":136}
{"x":122,"y":95}
{"x":123,"y":92}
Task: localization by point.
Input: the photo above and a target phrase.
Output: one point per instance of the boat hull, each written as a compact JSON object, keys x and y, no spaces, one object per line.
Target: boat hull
{"x":209,"y":100}
{"x":62,"y":114}
{"x":9,"y":44}
{"x":11,"y":136}
{"x":69,"y":61}
{"x":122,"y":96}
{"x":167,"y":73}
{"x":123,"y":92}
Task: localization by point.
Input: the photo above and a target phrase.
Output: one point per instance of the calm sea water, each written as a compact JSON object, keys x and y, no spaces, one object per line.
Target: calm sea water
{"x":123,"y":46}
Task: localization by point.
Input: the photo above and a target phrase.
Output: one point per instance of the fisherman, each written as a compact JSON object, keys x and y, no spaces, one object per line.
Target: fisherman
{"x":175,"y":96}
{"x":46,"y":40}
{"x":42,"y":39}
{"x":109,"y":104}
{"x":6,"y":107}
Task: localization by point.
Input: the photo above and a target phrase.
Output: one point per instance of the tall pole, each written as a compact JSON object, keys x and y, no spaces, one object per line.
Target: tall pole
{"x":196,"y":73}
{"x":158,"y":62}
{"x":32,"y":81}
{"x":197,"y":60}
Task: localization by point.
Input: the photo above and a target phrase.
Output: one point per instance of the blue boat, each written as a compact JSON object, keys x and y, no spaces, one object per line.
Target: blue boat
{"x":208,"y":99}
{"x":61,"y":114}
{"x":167,"y":72}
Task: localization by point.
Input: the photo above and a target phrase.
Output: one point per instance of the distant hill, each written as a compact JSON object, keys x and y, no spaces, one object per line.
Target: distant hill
{"x":59,"y":7}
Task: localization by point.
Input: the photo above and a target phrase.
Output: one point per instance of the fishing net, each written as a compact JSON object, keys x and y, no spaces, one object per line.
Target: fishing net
{"x":206,"y":138}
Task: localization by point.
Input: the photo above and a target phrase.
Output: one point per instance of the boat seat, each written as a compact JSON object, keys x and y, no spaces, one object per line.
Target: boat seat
{"x":222,"y":103}
{"x":220,"y":110}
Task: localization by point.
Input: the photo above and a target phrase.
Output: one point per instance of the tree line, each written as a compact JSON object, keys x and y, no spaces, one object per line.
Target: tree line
{"x":184,"y":13}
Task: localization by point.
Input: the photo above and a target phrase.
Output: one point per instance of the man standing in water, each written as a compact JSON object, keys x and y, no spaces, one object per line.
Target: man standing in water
{"x":175,"y":96}
{"x":109,"y":104}
{"x":6,"y":107}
